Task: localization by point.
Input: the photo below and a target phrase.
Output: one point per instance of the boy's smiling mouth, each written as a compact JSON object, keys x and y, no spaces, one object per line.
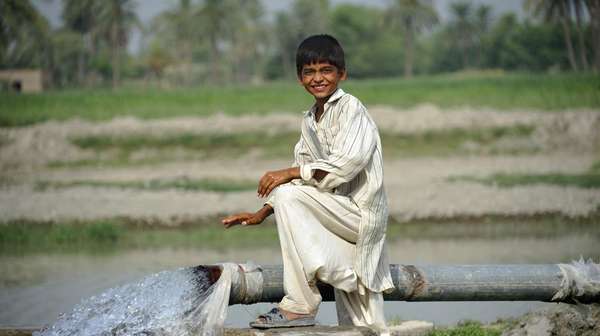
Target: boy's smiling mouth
{"x":320,"y":87}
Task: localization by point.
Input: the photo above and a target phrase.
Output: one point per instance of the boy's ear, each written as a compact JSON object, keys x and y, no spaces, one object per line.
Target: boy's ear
{"x":343,"y":74}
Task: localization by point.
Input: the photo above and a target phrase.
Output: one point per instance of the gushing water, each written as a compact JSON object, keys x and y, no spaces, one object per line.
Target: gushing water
{"x":180,"y":302}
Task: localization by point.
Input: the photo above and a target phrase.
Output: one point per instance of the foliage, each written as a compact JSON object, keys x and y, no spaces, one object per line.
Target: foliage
{"x":227,"y":41}
{"x":23,"y":32}
{"x":586,"y":180}
{"x":114,"y":234}
{"x":495,"y":90}
{"x":179,"y":183}
{"x":468,"y":328}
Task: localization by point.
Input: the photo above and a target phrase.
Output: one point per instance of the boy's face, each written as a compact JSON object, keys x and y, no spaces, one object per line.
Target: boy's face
{"x":321,"y":79}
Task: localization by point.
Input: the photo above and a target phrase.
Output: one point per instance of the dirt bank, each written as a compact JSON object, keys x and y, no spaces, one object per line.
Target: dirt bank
{"x":34,"y":146}
{"x":569,"y":142}
{"x":562,"y":319}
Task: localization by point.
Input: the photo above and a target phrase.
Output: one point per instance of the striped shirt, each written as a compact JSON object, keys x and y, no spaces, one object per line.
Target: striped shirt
{"x":346,"y":144}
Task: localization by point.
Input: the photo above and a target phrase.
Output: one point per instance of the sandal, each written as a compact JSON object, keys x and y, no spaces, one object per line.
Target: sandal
{"x":276,"y":319}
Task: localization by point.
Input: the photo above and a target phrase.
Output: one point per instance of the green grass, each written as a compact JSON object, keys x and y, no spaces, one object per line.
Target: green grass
{"x":452,"y":141}
{"x":181,"y":183}
{"x":542,"y":226}
{"x":280,"y":145}
{"x":509,"y":91}
{"x":586,"y":180}
{"x":595,"y":168}
{"x":115,"y":234}
{"x":111,"y":235}
{"x":469,"y":328}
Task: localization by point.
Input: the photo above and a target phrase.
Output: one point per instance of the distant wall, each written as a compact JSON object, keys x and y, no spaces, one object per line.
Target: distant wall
{"x":23,"y":80}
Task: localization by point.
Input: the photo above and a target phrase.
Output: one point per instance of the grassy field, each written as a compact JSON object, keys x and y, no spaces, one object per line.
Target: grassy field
{"x":502,"y":91}
{"x":116,"y":234}
{"x":180,"y":183}
{"x":589,"y":179}
{"x":472,"y":328}
{"x":120,"y":151}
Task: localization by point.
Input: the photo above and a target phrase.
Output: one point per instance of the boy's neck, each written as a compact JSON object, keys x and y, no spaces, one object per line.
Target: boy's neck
{"x":320,"y":105}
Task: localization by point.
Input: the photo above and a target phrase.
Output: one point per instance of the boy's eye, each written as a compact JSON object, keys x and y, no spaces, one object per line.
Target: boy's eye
{"x":327,"y":71}
{"x":308,"y":72}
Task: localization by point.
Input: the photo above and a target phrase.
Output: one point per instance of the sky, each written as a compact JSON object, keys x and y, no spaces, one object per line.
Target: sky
{"x":147,"y":9}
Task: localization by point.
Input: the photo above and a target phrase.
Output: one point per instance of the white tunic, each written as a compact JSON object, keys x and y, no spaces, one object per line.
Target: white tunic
{"x":346,"y":144}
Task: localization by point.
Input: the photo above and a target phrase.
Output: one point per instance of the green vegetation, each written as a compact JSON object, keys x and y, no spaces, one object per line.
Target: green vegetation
{"x":112,"y":235}
{"x":452,"y":141}
{"x":181,"y":183}
{"x":118,"y":151}
{"x":221,"y":145}
{"x":19,"y":236}
{"x":589,"y":181}
{"x":545,"y":92}
{"x":470,"y":328}
{"x":547,"y":225}
{"x":90,"y":46}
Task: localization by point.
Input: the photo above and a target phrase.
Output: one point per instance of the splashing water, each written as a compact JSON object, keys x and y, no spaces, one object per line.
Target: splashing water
{"x":180,"y":302}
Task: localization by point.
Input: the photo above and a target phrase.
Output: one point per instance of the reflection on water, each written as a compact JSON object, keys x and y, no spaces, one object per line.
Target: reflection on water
{"x":35,"y":289}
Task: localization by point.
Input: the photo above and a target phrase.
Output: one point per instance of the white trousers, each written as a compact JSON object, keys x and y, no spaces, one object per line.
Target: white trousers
{"x":318,"y":231}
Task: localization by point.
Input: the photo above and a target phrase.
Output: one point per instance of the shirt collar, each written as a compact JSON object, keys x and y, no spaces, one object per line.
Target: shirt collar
{"x":337,"y":94}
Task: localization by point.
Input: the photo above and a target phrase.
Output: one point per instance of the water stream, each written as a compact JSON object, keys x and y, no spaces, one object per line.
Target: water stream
{"x":165,"y":303}
{"x":36,"y":288}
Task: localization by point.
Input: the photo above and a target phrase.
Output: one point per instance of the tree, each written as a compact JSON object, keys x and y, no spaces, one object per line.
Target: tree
{"x":214,"y":15}
{"x":115,"y":19}
{"x":23,"y":33}
{"x":593,"y":7}
{"x":462,"y":26}
{"x":577,"y":5}
{"x":306,"y":17}
{"x":412,"y":16}
{"x":79,"y":16}
{"x":556,"y":11}
{"x":176,"y":33}
{"x":482,"y":26}
{"x":247,"y":40}
{"x":175,"y":28}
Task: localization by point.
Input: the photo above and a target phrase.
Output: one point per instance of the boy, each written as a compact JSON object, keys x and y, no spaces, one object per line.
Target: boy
{"x":330,"y":206}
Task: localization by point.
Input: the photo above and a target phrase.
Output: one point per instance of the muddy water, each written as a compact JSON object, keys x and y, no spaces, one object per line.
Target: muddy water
{"x":35,"y":289}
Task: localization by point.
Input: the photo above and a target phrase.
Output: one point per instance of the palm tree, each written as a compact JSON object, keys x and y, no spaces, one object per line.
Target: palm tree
{"x":79,"y":16}
{"x":246,"y":39}
{"x":23,"y":34}
{"x":553,"y":11}
{"x":214,"y":14}
{"x":482,"y":25}
{"x":463,"y":28}
{"x":413,"y":16}
{"x":593,"y":8}
{"x":115,"y":19}
{"x":577,"y":5}
{"x":176,"y":33}
{"x":178,"y":26}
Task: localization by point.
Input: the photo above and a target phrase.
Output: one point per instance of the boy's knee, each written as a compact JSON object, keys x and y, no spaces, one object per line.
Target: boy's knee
{"x":286,"y":194}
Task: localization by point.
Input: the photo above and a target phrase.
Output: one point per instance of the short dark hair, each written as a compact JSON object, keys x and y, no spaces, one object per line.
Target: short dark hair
{"x":320,"y":48}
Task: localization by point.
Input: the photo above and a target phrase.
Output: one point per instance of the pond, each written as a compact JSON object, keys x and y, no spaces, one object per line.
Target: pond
{"x":36,"y":288}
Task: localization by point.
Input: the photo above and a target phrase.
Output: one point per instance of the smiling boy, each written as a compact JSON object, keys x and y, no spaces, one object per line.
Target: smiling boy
{"x":330,"y":206}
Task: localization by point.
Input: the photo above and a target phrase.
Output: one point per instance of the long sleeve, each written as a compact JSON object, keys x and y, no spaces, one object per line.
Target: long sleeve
{"x":351,"y":151}
{"x":301,"y":158}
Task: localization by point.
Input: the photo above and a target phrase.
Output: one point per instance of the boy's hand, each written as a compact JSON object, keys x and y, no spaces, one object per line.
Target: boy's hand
{"x":247,"y":218}
{"x":272,"y":179}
